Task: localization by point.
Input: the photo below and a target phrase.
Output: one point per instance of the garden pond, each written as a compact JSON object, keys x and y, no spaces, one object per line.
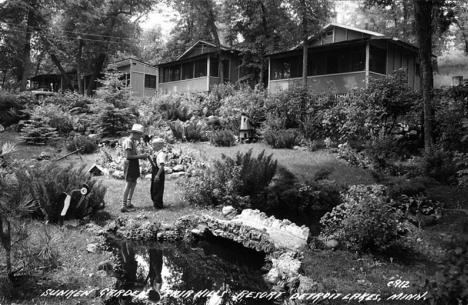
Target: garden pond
{"x":188,"y":272}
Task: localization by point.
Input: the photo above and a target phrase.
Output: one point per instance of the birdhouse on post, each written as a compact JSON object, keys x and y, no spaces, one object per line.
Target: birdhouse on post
{"x":245,"y":131}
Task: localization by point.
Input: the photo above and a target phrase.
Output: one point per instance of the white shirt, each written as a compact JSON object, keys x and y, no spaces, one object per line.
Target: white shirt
{"x":160,"y":158}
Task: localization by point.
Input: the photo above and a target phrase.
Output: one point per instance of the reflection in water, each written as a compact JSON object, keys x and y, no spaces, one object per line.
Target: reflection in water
{"x":190,"y":274}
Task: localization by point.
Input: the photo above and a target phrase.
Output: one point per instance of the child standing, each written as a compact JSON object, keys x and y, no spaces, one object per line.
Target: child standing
{"x":131,"y":165}
{"x":158,"y":176}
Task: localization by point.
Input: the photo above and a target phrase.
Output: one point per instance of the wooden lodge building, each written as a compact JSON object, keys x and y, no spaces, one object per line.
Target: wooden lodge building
{"x":344,"y":57}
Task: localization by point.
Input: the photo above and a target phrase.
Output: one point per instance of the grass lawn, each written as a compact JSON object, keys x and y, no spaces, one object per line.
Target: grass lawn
{"x":338,"y":271}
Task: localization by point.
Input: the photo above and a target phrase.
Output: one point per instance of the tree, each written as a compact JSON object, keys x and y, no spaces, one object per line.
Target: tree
{"x":200,"y":17}
{"x":428,"y":17}
{"x":12,"y":206}
{"x":310,"y":16}
{"x":265,"y":27}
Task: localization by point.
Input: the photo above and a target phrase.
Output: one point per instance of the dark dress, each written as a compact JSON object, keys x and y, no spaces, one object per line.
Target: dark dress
{"x":157,"y":187}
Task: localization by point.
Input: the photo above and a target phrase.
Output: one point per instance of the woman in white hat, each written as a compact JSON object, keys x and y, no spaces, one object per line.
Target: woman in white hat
{"x":131,"y":165}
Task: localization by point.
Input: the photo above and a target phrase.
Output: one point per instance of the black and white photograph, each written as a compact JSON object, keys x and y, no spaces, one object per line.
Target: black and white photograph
{"x":233,"y":152}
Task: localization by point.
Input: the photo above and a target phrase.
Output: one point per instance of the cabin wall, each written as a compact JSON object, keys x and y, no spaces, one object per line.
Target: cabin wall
{"x":342,"y":83}
{"x":188,"y":85}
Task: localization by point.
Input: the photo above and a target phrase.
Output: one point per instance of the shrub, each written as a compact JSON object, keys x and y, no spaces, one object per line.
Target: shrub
{"x":281,"y":138}
{"x":38,"y":132}
{"x":112,"y":120}
{"x":193,"y":132}
{"x":224,"y":138}
{"x":235,"y":181}
{"x":364,"y":221}
{"x":45,"y":182}
{"x":381,"y":151}
{"x":55,"y":116}
{"x":353,"y":157}
{"x":439,"y":165}
{"x":75,"y":143}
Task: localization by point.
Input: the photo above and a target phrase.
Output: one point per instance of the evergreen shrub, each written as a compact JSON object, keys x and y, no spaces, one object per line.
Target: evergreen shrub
{"x":46,"y":181}
{"x":281,"y":138}
{"x":237,"y":181}
{"x":224,"y":138}
{"x":38,"y":132}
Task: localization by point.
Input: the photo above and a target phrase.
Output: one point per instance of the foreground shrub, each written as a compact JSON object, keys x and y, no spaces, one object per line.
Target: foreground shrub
{"x":45,"y":182}
{"x":89,"y":145}
{"x":450,"y":285}
{"x":237,"y":181}
{"x":364,"y":221}
{"x":281,"y":138}
{"x":223,"y":138}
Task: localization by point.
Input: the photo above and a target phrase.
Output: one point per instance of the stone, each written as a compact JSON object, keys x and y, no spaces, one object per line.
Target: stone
{"x":178,"y":168}
{"x":229,"y":212}
{"x":331,"y":243}
{"x":73,"y":223}
{"x":94,"y":229}
{"x":283,"y":234}
{"x":272,"y":277}
{"x":176,"y":175}
{"x":118,"y":174}
{"x":94,"y":136}
{"x":92,"y":248}
{"x":287,"y":266}
{"x":106,"y":266}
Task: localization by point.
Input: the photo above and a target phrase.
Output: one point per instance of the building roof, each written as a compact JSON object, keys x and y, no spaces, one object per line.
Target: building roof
{"x":223,"y":47}
{"x":120,"y":63}
{"x":331,"y":25}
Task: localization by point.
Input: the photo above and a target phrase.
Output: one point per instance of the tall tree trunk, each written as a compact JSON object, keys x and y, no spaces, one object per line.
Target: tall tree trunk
{"x":4,"y":78}
{"x":267,"y":38}
{"x":78,"y":65}
{"x":5,"y":238}
{"x":405,"y":20}
{"x":304,"y":46}
{"x":97,"y":70}
{"x":423,"y":16}
{"x":214,"y":31}
{"x":64,"y":74}
{"x":27,"y":48}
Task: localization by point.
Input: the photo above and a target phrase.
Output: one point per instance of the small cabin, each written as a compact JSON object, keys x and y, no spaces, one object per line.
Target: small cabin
{"x":141,"y":77}
{"x":196,"y":70}
{"x":343,"y":57}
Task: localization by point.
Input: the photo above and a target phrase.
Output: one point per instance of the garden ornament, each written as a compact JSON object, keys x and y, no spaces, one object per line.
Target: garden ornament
{"x":66,"y":199}
{"x":246,"y":131}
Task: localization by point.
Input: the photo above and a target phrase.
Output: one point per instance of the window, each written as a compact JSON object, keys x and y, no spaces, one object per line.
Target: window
{"x":200,"y":68}
{"x":161,"y":75}
{"x":330,"y":33}
{"x":175,"y":73}
{"x":377,"y":60}
{"x":187,"y":70}
{"x":214,"y":67}
{"x":226,"y":75}
{"x":150,"y":81}
{"x":280,"y":68}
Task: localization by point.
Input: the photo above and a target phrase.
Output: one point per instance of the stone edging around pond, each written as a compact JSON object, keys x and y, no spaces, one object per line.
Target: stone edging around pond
{"x":282,"y":241}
